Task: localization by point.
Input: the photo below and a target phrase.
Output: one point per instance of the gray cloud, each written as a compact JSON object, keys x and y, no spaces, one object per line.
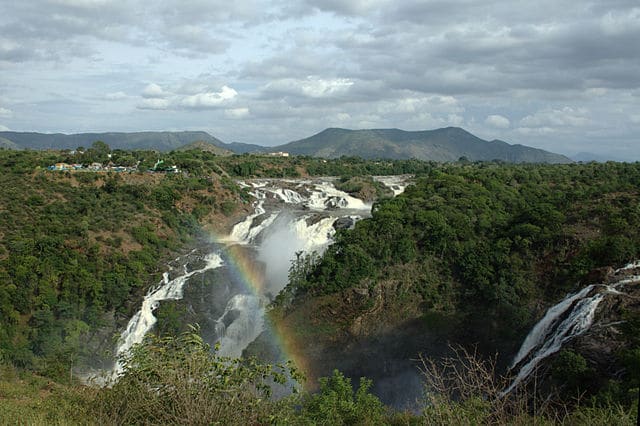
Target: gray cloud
{"x":557,"y":74}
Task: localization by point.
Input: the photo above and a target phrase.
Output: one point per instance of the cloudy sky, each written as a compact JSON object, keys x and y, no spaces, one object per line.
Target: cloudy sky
{"x":562,"y":75}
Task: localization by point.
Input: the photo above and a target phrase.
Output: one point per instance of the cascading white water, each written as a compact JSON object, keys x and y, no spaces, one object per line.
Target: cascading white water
{"x":395,"y":183}
{"x":144,"y":320}
{"x":537,"y":335}
{"x":325,"y":191}
{"x":288,"y":196}
{"x":315,"y":237}
{"x":578,"y":321}
{"x":240,"y":324}
{"x":241,"y":232}
{"x":557,"y":327}
{"x":277,"y":238}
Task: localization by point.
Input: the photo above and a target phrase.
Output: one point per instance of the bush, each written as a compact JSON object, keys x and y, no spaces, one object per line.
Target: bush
{"x":179,"y":380}
{"x":338,"y":404}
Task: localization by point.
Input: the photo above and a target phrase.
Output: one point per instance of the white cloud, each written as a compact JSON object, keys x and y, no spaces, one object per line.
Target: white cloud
{"x":535,"y":130}
{"x":618,"y":23}
{"x":209,"y":99}
{"x":82,"y":3}
{"x":154,"y":104}
{"x":4,"y":128}
{"x":498,"y":121}
{"x":153,"y":90}
{"x":310,"y":87}
{"x":236,"y":113}
{"x":635,"y":118}
{"x":115,"y":96}
{"x":564,"y":117}
{"x":4,"y":112}
{"x":318,"y":88}
{"x":455,"y":119}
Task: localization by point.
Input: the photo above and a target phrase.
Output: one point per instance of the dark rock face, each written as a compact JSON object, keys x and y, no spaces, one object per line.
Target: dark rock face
{"x":599,"y":275}
{"x":344,"y":223}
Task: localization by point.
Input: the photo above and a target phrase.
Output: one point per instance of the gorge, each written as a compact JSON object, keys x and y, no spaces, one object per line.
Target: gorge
{"x":227,"y":285}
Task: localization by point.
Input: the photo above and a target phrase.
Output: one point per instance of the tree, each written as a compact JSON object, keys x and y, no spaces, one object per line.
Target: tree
{"x":338,"y":404}
{"x":101,"y":148}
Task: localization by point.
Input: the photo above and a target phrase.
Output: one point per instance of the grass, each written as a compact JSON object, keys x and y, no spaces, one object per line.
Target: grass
{"x":28,"y":399}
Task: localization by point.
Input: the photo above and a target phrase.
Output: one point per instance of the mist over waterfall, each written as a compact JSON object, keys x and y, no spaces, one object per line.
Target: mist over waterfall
{"x":238,"y":275}
{"x":240,"y":324}
{"x":290,"y":216}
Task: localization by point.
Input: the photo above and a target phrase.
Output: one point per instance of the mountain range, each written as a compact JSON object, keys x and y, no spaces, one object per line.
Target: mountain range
{"x":161,"y":141}
{"x":446,"y":144}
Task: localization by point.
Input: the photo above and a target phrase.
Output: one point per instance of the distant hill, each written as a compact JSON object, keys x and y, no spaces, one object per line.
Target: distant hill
{"x":7,"y":144}
{"x":205,"y":146}
{"x":243,"y":148}
{"x":587,"y":157}
{"x":448,"y":144}
{"x":161,"y":141}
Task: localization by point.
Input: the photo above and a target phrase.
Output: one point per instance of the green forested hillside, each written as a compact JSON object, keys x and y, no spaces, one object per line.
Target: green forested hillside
{"x":447,"y":144}
{"x":477,"y":252}
{"x":500,"y":235}
{"x":483,"y":246}
{"x":76,"y":248}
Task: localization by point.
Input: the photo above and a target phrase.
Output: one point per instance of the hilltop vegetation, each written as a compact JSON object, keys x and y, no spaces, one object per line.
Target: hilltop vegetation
{"x":162,"y":141}
{"x":76,"y":248}
{"x":476,"y":249}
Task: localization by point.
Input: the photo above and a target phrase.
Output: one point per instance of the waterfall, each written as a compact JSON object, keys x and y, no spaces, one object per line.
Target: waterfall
{"x":288,"y":196}
{"x":540,"y":331}
{"x":325,"y":195}
{"x":241,"y":231}
{"x":395,"y":183}
{"x":240,"y":324}
{"x":283,"y":222}
{"x":569,"y":318}
{"x":578,"y":321}
{"x":315,"y":237}
{"x":144,"y":320}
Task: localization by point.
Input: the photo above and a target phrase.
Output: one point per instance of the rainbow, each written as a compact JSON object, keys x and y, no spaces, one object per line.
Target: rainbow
{"x":252,"y":276}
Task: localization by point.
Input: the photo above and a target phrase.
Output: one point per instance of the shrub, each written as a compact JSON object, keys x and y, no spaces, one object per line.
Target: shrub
{"x":179,"y":380}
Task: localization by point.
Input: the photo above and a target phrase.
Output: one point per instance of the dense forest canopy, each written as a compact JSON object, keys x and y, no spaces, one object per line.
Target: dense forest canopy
{"x":487,"y":248}
{"x":76,"y":247}
{"x":488,"y":244}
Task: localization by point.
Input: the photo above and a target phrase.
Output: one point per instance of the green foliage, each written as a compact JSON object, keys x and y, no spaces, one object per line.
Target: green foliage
{"x":179,"y":380}
{"x":506,"y":235}
{"x":365,"y":188}
{"x":338,"y":404}
{"x":227,"y":208}
{"x":571,"y":372}
{"x":27,"y":399}
{"x":73,"y":248}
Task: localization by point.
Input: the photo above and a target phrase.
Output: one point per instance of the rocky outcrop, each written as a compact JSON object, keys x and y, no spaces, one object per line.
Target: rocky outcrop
{"x":605,"y":339}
